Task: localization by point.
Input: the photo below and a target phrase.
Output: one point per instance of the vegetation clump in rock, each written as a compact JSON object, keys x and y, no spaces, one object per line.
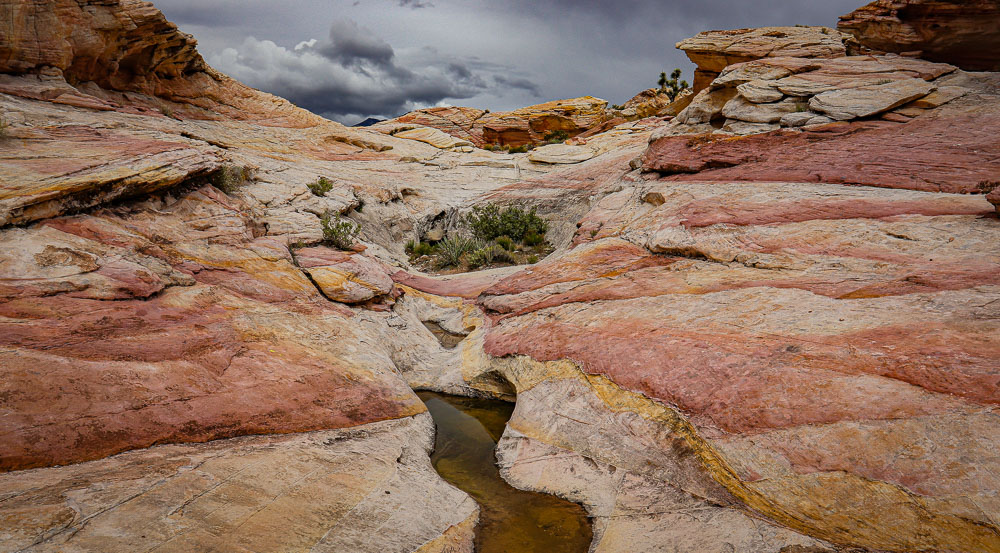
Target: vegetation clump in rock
{"x":321,"y":186}
{"x":338,"y":232}
{"x":229,"y":178}
{"x":492,"y":235}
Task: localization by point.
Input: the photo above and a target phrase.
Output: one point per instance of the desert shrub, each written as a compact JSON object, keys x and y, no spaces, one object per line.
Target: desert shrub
{"x":489,"y":147}
{"x":487,"y":255}
{"x":505,"y":242}
{"x":801,"y":106}
{"x":321,"y":186}
{"x":229,"y":178}
{"x":672,"y":87}
{"x":338,"y":232}
{"x":423,"y":248}
{"x":519,"y":149}
{"x":451,"y":249}
{"x":556,"y":137}
{"x":502,"y":255}
{"x":410,"y":245}
{"x":618,"y":107}
{"x":489,"y":222}
{"x":532,"y":238}
{"x":3,"y":127}
{"x":532,"y":259}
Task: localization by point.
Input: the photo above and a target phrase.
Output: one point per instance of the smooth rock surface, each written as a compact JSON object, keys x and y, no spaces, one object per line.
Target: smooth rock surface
{"x":865,"y":101}
{"x":560,"y":153}
{"x":370,"y":488}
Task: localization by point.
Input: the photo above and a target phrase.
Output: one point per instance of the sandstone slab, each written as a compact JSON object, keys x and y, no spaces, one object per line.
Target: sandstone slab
{"x":321,"y":491}
{"x":560,"y":154}
{"x":345,"y":277}
{"x":866,"y":101}
{"x":434,"y":137}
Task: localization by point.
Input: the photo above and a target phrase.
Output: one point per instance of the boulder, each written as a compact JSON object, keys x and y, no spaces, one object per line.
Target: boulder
{"x":994,"y":197}
{"x":741,"y":109}
{"x":963,"y":33}
{"x":760,"y":91}
{"x":343,"y":276}
{"x":706,"y":106}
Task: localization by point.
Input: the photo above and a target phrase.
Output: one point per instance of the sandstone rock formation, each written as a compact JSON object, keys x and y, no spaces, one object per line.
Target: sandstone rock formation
{"x":772,"y":343}
{"x":713,"y":51}
{"x":792,"y":92}
{"x":962,"y":33}
{"x":529,"y":125}
{"x":88,"y":53}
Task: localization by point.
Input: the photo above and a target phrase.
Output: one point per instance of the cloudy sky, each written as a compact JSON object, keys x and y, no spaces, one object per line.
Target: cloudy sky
{"x":350,"y":59}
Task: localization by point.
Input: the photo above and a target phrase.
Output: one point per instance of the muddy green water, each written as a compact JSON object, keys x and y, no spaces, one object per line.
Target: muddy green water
{"x":510,"y":520}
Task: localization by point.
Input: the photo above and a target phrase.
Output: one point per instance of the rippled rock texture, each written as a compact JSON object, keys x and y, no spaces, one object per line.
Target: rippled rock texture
{"x":771,"y":343}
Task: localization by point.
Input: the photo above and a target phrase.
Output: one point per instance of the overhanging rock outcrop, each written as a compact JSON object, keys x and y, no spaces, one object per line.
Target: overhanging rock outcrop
{"x":965,"y":33}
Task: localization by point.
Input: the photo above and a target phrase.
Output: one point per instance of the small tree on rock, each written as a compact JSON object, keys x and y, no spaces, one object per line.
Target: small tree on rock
{"x":671,"y":87}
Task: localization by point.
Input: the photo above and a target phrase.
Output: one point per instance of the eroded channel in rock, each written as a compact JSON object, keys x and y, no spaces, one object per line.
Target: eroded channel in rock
{"x":511,"y":520}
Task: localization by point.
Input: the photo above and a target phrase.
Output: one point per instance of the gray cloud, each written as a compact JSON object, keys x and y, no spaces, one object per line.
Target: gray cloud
{"x":523,"y":84}
{"x":355,"y":73}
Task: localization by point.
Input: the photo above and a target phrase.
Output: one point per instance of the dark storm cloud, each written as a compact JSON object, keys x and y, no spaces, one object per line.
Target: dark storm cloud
{"x":355,"y":73}
{"x":352,"y":45}
{"x":523,"y":84}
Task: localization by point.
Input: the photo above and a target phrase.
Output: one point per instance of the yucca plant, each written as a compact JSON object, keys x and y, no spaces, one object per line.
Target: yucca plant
{"x":451,"y":249}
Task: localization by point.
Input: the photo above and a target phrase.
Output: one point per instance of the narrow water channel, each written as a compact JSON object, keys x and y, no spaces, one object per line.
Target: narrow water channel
{"x":510,"y":520}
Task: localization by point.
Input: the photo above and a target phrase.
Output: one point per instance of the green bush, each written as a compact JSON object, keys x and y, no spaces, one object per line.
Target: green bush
{"x":338,"y":232}
{"x":532,"y":238}
{"x":321,"y":186}
{"x":520,"y":149}
{"x":423,"y":248}
{"x":489,"y":147}
{"x":489,"y":222}
{"x":229,"y":178}
{"x":487,"y":255}
{"x":506,"y":242}
{"x":532,"y":259}
{"x":556,"y":137}
{"x":451,"y":249}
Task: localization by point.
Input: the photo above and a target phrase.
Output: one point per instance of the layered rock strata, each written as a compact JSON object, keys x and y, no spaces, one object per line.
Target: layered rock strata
{"x":713,"y":51}
{"x":529,"y":125}
{"x":728,"y":350}
{"x":963,"y":33}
